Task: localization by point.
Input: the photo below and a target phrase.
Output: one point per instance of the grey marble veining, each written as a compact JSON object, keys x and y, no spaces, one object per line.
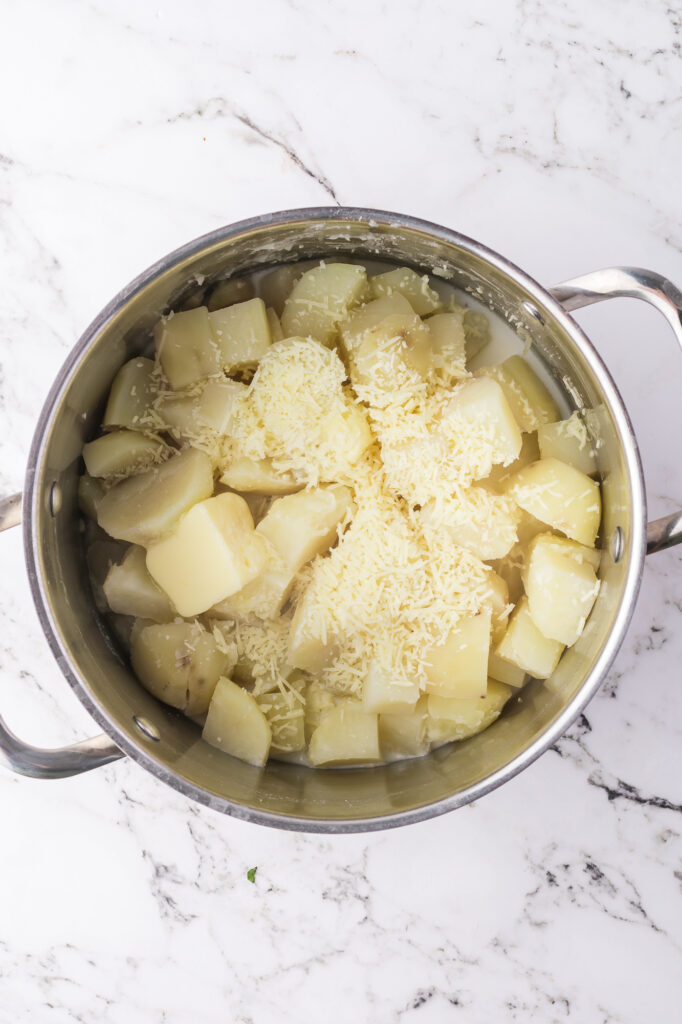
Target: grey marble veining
{"x":549,"y":131}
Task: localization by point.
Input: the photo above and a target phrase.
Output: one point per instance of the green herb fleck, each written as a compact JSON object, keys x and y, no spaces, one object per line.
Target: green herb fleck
{"x":251,"y":874}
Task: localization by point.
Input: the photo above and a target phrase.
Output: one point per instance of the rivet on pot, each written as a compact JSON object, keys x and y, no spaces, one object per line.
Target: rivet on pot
{"x":617,"y":544}
{"x":147,"y":728}
{"x":54,"y":499}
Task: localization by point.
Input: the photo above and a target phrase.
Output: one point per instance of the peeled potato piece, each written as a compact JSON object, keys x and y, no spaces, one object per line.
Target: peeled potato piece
{"x":264,"y":596}
{"x":448,"y":343}
{"x":124,"y":452}
{"x":346,"y":735}
{"x":482,"y":401}
{"x":367,"y":318}
{"x":148,"y":505}
{"x":530,"y":452}
{"x":404,"y":734}
{"x":560,"y":496}
{"x":286,"y":717}
{"x":318,"y":701}
{"x":90,"y":493}
{"x":561,"y":590}
{"x":498,"y":598}
{"x":275,"y":325}
{"x":186,"y":349}
{"x":310,"y":648}
{"x":569,"y":441}
{"x":301,"y":526}
{"x":477,"y":332}
{"x":237,"y":725}
{"x":459,"y":719}
{"x":413,"y":286}
{"x":275,"y":286}
{"x":226,"y":293}
{"x":213,"y":408}
{"x":130,"y":590}
{"x":241,"y":333}
{"x":321,"y":299}
{"x":459,"y":667}
{"x":131,"y":395}
{"x":213,"y":552}
{"x":382,"y":692}
{"x":504,"y":672}
{"x":375,"y":346}
{"x":179,"y":662}
{"x":244,"y":474}
{"x":476,"y":519}
{"x":526,"y":647}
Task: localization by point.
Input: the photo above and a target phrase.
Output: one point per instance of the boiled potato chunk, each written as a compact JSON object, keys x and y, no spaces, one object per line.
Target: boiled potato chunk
{"x":413,"y":286}
{"x":186,"y":348}
{"x":404,"y":734}
{"x":101,"y":555}
{"x":90,"y":493}
{"x":504,"y":672}
{"x":568,"y":548}
{"x":498,"y":598}
{"x":318,"y":701}
{"x":477,"y":332}
{"x":124,"y":452}
{"x":226,"y":293}
{"x":367,"y":318}
{"x":286,"y":717}
{"x":568,"y":441}
{"x":130,"y":590}
{"x":559,"y":495}
{"x":530,"y":452}
{"x":213,"y":409}
{"x":264,"y":596}
{"x":400,"y":338}
{"x":479,"y":403}
{"x":526,"y":647}
{"x":259,"y":476}
{"x":237,"y":725}
{"x":275,"y":325}
{"x":458,"y":719}
{"x":148,"y":505}
{"x":321,"y":299}
{"x":544,"y":408}
{"x":311,"y":647}
{"x":301,"y":526}
{"x":131,"y":395}
{"x":348,"y":432}
{"x":275,"y":286}
{"x":241,"y":333}
{"x":448,"y":343}
{"x":476,"y":519}
{"x":459,"y":667}
{"x":179,"y":662}
{"x":561,"y":590}
{"x":346,"y":735}
{"x":213,"y":552}
{"x":383,"y":692}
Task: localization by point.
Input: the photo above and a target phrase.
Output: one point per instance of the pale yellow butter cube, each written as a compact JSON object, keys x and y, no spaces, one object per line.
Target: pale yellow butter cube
{"x":236,"y":724}
{"x":559,"y":495}
{"x":213,"y":552}
{"x":459,"y":667}
{"x":526,"y":647}
{"x":241,"y":333}
{"x":185,"y":347}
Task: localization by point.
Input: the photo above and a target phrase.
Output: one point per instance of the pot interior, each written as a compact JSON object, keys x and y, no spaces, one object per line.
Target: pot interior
{"x":286,"y":794}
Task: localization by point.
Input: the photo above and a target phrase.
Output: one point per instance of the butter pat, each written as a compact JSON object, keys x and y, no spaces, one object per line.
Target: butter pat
{"x":213,"y":552}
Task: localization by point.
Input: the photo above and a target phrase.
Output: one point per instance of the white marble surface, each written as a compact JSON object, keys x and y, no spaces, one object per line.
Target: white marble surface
{"x":550,"y":132}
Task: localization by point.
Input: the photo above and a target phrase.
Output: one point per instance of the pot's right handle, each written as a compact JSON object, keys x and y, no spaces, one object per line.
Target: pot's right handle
{"x":35,"y":762}
{"x":633,"y":283}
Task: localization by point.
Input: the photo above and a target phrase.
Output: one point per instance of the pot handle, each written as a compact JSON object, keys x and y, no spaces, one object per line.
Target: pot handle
{"x":632,"y":283}
{"x":25,"y":759}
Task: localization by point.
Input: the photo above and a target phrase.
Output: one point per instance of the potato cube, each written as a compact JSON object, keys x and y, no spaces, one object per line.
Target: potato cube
{"x":561,"y":590}
{"x":264,"y":596}
{"x":569,"y":441}
{"x":185,"y":347}
{"x":213,"y":409}
{"x":226,"y":293}
{"x":346,"y":735}
{"x":448,"y":343}
{"x":286,"y":717}
{"x":241,"y":334}
{"x":321,"y":299}
{"x":131,"y":395}
{"x":509,"y":569}
{"x":301,"y":526}
{"x":401,"y":338}
{"x":90,"y":493}
{"x":366,"y":319}
{"x":476,"y":332}
{"x":347,"y":431}
{"x":130,"y":590}
{"x":525,"y":646}
{"x":545,"y":409}
{"x":275,"y":325}
{"x":318,"y":701}
{"x":179,"y":662}
{"x":413,"y":286}
{"x":560,"y":496}
{"x":504,"y":672}
{"x":498,"y":599}
{"x":404,"y":734}
{"x":124,"y":452}
{"x":458,"y":719}
{"x":459,"y":667}
{"x":311,"y":646}
{"x":482,"y":403}
{"x":384,"y":692}
{"x":568,"y":548}
{"x":259,"y":476}
{"x":213,"y":552}
{"x":476,"y":519}
{"x":530,"y":452}
{"x":236,"y":724}
{"x":148,"y":505}
{"x":275,"y":286}
{"x":100,"y":557}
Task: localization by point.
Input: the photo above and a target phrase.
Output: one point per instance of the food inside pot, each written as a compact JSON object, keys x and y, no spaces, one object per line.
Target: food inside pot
{"x":344,"y":534}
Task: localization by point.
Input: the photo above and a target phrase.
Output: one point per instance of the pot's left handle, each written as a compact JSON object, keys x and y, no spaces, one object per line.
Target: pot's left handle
{"x":25,"y":759}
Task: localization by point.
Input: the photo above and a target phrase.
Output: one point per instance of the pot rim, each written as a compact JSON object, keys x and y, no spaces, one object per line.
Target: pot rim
{"x":600,"y":667}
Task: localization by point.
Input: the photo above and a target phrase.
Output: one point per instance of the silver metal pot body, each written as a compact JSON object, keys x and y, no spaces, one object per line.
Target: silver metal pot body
{"x":162,"y":740}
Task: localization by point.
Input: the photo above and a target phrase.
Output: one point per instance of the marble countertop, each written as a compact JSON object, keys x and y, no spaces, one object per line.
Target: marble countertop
{"x":551,"y":132}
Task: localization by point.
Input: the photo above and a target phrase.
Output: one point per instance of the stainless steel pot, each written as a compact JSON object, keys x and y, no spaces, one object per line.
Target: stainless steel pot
{"x":166,"y":743}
